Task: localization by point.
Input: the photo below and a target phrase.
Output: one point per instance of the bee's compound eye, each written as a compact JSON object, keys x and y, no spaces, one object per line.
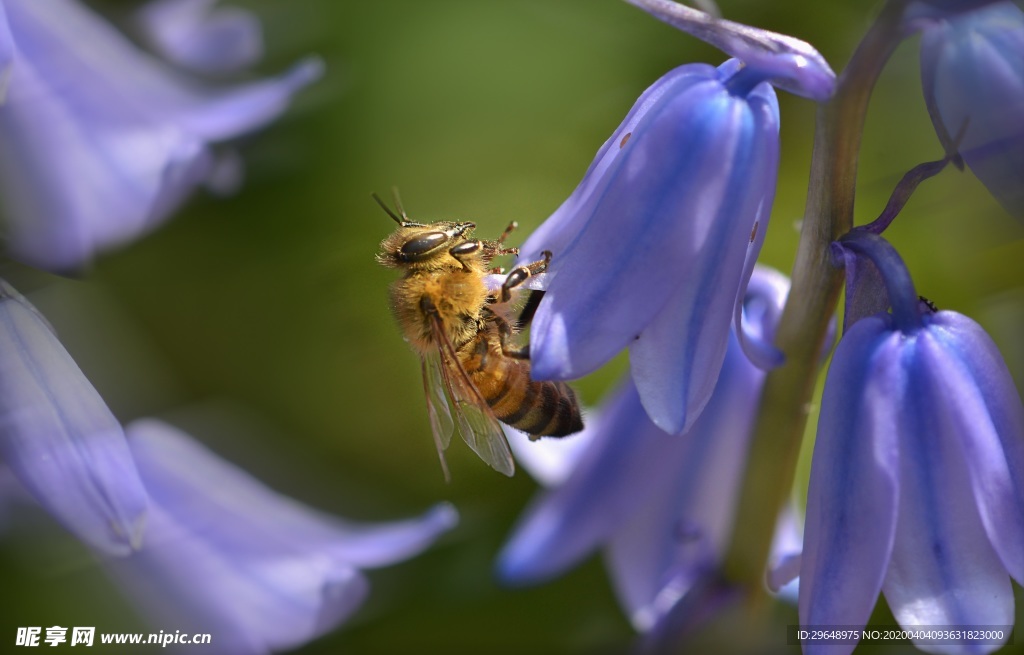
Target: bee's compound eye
{"x":423,"y":243}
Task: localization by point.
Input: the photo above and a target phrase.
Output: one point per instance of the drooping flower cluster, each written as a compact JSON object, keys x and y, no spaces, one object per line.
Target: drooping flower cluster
{"x":917,"y":484}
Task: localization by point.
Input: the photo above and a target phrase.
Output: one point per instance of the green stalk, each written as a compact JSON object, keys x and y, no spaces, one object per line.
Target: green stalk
{"x":812,"y":300}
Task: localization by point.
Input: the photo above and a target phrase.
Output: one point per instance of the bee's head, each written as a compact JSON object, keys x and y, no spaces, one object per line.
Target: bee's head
{"x":416,"y":242}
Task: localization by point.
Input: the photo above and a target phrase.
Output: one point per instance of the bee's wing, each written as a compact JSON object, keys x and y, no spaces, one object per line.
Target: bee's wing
{"x":477,"y":424}
{"x":437,"y":407}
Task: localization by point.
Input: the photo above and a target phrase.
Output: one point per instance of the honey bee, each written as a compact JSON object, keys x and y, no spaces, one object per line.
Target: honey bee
{"x":463,"y":332}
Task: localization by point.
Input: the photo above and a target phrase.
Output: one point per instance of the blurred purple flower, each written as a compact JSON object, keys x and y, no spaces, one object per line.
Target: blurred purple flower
{"x":260,"y":572}
{"x":917,"y":478}
{"x":59,"y":438}
{"x":653,"y":248}
{"x":99,"y":143}
{"x":194,"y":35}
{"x":972,"y":71}
{"x":660,"y":505}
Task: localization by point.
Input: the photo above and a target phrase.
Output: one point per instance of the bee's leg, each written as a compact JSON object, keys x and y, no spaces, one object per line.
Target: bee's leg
{"x":505,"y":339}
{"x":494,"y":249}
{"x":481,"y":352}
{"x":521,"y":274}
{"x":508,"y":230}
{"x":529,"y":309}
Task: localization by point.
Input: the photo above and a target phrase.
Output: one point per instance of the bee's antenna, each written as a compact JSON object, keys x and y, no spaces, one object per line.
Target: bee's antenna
{"x":395,"y":217}
{"x":398,"y":204}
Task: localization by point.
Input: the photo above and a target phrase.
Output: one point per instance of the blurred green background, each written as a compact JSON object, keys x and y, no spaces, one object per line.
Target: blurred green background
{"x":260,"y":323}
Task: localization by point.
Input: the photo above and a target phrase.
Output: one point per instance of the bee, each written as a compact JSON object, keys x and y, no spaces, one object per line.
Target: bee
{"x":463,"y":332}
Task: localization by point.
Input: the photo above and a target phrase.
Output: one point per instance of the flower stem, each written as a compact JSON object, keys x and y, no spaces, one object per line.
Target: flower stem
{"x":812,"y":299}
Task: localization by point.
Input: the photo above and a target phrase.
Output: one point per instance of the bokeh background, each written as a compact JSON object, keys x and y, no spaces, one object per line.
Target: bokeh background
{"x":259,"y":322}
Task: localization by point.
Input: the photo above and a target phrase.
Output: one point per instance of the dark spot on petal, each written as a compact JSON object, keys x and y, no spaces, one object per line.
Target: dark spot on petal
{"x":625,"y":139}
{"x":687,"y":531}
{"x":753,"y":232}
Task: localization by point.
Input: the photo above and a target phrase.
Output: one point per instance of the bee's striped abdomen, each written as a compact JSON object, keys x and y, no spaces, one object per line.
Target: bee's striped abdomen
{"x":549,"y":409}
{"x":541,"y":409}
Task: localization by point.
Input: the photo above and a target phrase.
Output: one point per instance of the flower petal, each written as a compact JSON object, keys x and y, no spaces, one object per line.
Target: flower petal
{"x":60,"y":439}
{"x":193,"y":35}
{"x":760,"y":348}
{"x":983,"y":411}
{"x":99,"y":141}
{"x":591,"y":312}
{"x":563,"y":226}
{"x":550,"y":461}
{"x":852,"y":495}
{"x":943,"y":570}
{"x":676,"y":359}
{"x":784,"y":563}
{"x":99,"y":69}
{"x":7,"y":54}
{"x":679,"y":528}
{"x":203,"y":491}
{"x":227,"y":556}
{"x":101,"y":191}
{"x":254,"y":602}
{"x":569,"y":522}
{"x":227,"y":114}
{"x":679,"y":182}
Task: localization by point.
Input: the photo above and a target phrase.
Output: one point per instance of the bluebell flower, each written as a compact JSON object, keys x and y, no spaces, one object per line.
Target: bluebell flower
{"x":972,"y":71}
{"x":227,"y":556}
{"x":653,"y":248}
{"x":917,"y":478}
{"x":195,"y":35}
{"x":99,"y":143}
{"x":661,"y":506}
{"x":58,"y":437}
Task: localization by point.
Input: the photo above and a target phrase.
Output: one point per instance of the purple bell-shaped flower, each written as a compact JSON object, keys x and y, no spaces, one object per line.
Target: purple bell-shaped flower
{"x":917,"y":479}
{"x":653,"y":248}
